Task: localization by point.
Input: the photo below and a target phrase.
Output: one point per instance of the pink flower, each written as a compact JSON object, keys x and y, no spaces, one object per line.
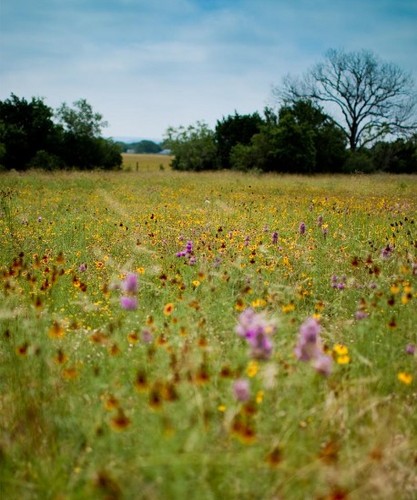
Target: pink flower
{"x":361,"y":314}
{"x":130,"y":283}
{"x":410,"y":349}
{"x":309,"y":343}
{"x":147,"y":336}
{"x":241,"y":389}
{"x":323,"y":364}
{"x":256,"y":330}
{"x":128,"y":303}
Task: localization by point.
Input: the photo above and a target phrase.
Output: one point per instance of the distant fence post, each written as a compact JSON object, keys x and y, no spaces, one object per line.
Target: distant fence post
{"x":137,"y":166}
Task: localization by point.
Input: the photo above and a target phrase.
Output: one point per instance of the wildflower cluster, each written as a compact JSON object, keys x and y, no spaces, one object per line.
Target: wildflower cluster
{"x":188,"y":253}
{"x":338,"y":282}
{"x":257,"y":331}
{"x":309,"y":347}
{"x":129,"y":300}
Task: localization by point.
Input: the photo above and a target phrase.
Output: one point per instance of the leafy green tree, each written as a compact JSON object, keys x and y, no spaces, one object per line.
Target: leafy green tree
{"x":82,"y":146}
{"x":25,"y":128}
{"x":80,"y":120}
{"x":398,"y":157}
{"x":30,"y":138}
{"x":193,"y":147}
{"x":301,"y":139}
{"x":232,"y":130}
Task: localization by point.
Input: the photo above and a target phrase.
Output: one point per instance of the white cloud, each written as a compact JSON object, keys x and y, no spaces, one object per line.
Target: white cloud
{"x":147,"y":65}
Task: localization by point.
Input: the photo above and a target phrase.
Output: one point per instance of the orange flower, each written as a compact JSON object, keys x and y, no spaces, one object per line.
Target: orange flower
{"x":168,"y":309}
{"x":120,"y":422}
{"x":56,"y":331}
{"x":132,"y":337}
{"x":22,"y":350}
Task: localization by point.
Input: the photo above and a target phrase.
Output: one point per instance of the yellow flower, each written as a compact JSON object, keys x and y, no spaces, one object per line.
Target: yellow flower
{"x":286,"y":308}
{"x":221,"y":408}
{"x":394,"y":288}
{"x":252,"y":368}
{"x":405,"y":298}
{"x":343,"y":360}
{"x":259,"y":303}
{"x":239,"y":306}
{"x":196,"y":283}
{"x":259,"y":397}
{"x":405,"y":378}
{"x":340,"y":349}
{"x":140,"y":270}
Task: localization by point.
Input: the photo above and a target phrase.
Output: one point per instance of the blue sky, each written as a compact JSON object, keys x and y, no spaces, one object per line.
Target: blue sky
{"x":147,"y":65}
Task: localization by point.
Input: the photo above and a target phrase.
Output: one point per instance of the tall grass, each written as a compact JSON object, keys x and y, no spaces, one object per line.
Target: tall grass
{"x":98,"y":401}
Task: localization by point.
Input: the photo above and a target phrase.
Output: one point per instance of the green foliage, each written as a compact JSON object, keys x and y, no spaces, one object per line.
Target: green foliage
{"x":302,"y":139}
{"x":232,"y":130}
{"x":80,"y":120}
{"x":399,"y":157}
{"x":193,"y":147}
{"x":30,"y":138}
{"x":145,"y":146}
{"x":46,"y":161}
{"x":26,"y":127}
{"x":359,"y":161}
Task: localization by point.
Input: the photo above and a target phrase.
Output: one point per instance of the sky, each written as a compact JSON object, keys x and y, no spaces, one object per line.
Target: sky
{"x":147,"y":65}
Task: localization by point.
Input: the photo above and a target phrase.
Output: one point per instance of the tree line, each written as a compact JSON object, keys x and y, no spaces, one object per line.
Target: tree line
{"x":351,"y":112}
{"x":33,"y":135}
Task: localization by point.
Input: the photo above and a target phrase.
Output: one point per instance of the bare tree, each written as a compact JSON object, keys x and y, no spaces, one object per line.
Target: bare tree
{"x":374,"y":98}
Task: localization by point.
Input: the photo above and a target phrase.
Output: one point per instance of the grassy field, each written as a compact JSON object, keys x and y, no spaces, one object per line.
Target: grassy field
{"x":168,"y":335}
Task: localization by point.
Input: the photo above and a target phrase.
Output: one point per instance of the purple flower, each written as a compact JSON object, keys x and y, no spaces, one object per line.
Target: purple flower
{"x":130,"y":283}
{"x":320,"y":220}
{"x":309,"y":343}
{"x":274,"y":238}
{"x":241,"y":389}
{"x":187,"y":251}
{"x":147,"y":336}
{"x":339,"y":283}
{"x":256,"y":330}
{"x":302,"y":228}
{"x":361,"y":314}
{"x":128,"y":303}
{"x":410,"y":349}
{"x":82,"y":268}
{"x":189,"y":247}
{"x":323,"y":364}
{"x":261,"y":346}
{"x":387,"y":252}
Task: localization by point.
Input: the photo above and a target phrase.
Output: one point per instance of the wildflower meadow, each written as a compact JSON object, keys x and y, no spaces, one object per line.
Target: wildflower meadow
{"x":216,"y":335}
